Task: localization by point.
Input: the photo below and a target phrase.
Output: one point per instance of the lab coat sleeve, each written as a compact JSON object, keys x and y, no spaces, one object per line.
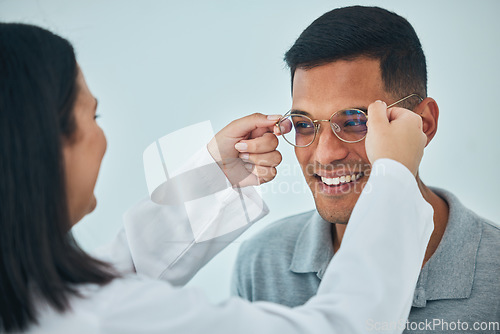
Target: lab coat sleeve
{"x":368,"y":285}
{"x":172,"y":242}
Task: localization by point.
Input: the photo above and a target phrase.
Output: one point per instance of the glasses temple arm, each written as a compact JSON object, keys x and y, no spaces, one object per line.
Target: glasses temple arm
{"x":405,"y":98}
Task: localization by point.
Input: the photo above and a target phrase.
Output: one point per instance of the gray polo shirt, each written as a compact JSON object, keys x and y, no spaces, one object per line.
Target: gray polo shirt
{"x":458,"y":290}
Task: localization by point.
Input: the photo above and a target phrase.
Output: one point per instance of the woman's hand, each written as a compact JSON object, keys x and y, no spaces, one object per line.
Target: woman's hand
{"x":396,"y":134}
{"x":245,"y":150}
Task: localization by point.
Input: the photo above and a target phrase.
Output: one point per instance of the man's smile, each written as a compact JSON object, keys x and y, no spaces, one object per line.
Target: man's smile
{"x":337,"y":184}
{"x":335,"y":181}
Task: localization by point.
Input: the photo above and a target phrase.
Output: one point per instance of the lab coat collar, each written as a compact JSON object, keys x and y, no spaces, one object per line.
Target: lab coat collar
{"x":449,"y":273}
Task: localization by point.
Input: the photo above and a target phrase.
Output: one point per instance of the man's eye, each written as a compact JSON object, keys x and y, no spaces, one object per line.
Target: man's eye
{"x":96,"y":116}
{"x":303,"y":125}
{"x":304,"y":128}
{"x":354,"y":123}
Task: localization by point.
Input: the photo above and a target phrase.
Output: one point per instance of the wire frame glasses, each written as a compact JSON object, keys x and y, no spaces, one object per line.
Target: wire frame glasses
{"x":349,"y":125}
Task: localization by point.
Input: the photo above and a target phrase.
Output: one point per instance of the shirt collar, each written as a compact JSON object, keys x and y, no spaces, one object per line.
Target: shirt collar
{"x":449,"y":273}
{"x":313,"y":248}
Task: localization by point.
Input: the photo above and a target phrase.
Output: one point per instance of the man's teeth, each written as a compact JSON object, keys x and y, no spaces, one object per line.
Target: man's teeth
{"x":343,"y":179}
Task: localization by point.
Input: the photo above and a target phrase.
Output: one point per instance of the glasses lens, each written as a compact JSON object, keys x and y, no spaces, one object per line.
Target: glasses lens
{"x":298,"y":130}
{"x":349,"y":125}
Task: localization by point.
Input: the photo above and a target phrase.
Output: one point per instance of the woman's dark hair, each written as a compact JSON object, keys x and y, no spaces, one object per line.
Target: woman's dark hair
{"x":351,"y":32}
{"x":40,"y":263}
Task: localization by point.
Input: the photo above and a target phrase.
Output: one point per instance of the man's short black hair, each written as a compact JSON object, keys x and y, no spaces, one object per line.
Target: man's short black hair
{"x":351,"y":32}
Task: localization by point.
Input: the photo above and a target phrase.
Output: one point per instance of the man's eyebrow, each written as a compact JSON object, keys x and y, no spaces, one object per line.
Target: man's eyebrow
{"x":96,"y":103}
{"x":300,"y":112}
{"x":305,"y":113}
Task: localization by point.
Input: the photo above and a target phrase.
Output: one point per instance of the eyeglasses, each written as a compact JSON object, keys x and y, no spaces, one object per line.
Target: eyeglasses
{"x":349,"y":125}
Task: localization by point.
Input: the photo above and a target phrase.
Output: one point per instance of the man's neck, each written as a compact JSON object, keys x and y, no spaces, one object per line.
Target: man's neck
{"x":441,"y":212}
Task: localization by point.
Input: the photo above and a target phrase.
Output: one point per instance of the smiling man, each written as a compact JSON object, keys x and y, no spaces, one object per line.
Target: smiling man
{"x":331,"y":160}
{"x":345,"y":60}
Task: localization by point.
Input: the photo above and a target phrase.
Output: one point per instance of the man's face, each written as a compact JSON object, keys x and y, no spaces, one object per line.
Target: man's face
{"x":320,"y":92}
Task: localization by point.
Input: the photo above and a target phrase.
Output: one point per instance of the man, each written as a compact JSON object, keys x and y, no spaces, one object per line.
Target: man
{"x":346,"y":59}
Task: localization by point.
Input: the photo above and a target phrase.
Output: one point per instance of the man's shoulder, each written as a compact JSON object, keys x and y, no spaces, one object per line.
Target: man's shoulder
{"x":488,"y":234}
{"x":490,"y":227}
{"x":490,"y":231}
{"x":490,"y":237}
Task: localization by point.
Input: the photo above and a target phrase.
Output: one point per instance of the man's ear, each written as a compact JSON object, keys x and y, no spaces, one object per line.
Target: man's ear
{"x":429,"y":111}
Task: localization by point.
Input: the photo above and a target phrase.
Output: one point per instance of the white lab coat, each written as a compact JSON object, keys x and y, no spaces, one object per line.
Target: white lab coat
{"x":369,"y":282}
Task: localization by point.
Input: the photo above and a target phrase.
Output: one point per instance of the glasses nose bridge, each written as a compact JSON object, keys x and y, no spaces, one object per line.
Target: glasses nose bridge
{"x":317,"y":126}
{"x":331,"y":125}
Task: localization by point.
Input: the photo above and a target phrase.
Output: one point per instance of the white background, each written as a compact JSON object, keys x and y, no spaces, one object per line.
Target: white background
{"x":158,"y":66}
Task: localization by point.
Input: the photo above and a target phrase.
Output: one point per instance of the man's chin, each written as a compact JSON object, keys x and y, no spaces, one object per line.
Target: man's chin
{"x":336,"y":210}
{"x":335,"y":217}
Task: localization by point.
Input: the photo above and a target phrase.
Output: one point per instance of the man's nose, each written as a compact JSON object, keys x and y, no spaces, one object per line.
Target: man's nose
{"x":329,"y":148}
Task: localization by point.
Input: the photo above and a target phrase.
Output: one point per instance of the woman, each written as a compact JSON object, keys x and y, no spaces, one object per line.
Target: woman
{"x":51,"y":153}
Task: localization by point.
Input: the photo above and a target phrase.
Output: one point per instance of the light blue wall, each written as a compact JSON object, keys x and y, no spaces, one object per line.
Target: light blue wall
{"x":157,"y":66}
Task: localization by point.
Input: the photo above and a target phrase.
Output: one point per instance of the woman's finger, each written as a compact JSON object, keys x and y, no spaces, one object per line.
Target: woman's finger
{"x":244,"y":126}
{"x":270,"y":159}
{"x":264,"y":174}
{"x":266,"y":143}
